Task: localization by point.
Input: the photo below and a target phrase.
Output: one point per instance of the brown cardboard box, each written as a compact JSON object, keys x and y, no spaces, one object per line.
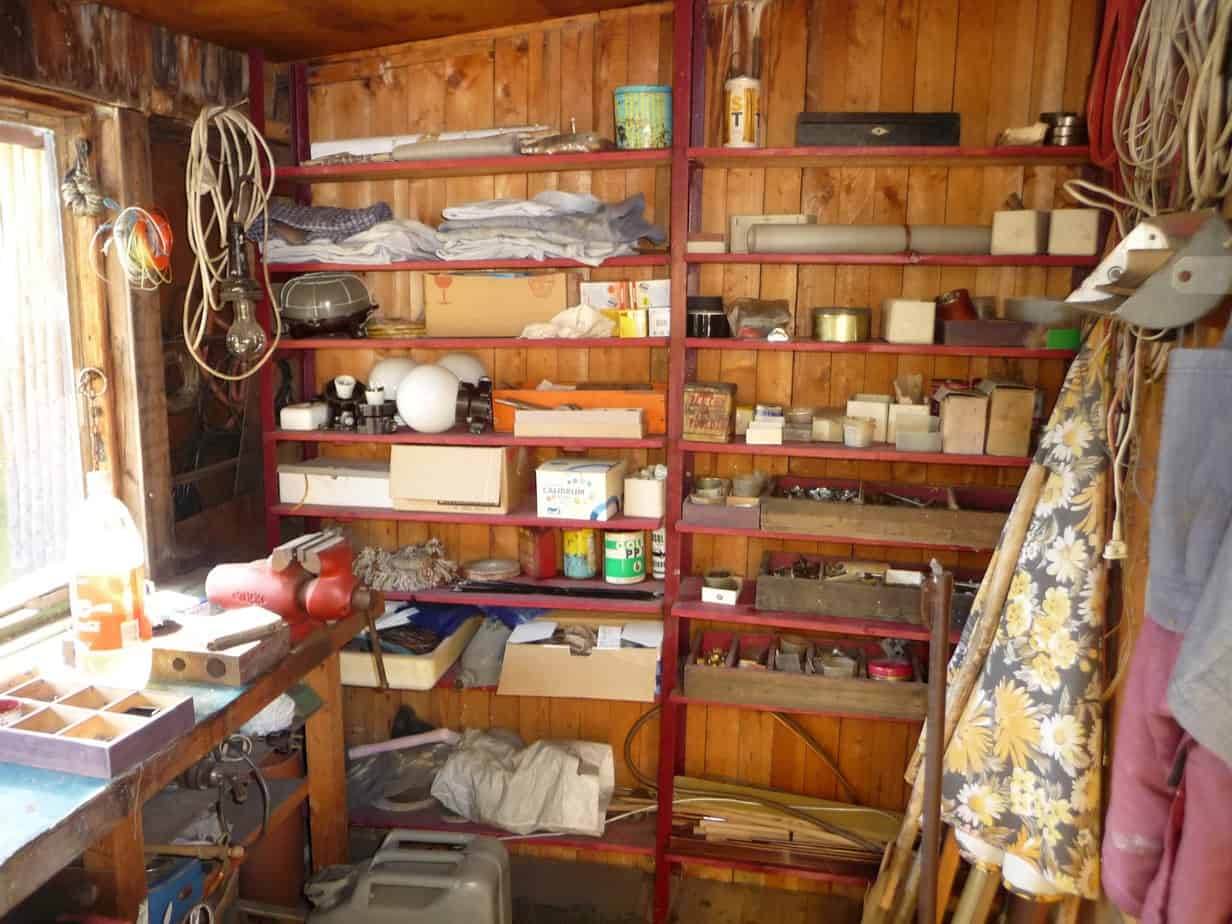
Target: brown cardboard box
{"x":1011,"y":409}
{"x":482,"y":305}
{"x":964,"y":421}
{"x":457,"y":479}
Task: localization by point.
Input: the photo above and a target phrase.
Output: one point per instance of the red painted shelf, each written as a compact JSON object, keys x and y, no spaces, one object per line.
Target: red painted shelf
{"x":679,"y":699}
{"x":890,"y":259}
{"x":784,"y":862}
{"x":474,"y":166}
{"x":469,"y":343}
{"x":695,"y":529}
{"x":875,"y":346}
{"x":460,"y":438}
{"x":523,"y":517}
{"x":901,"y":156}
{"x":450,"y":266}
{"x":878,"y":452}
{"x":543,"y":601}
{"x":690,"y":606}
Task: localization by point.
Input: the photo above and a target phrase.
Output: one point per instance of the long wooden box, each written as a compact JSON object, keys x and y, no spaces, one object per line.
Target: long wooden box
{"x":976,"y":524}
{"x":88,"y":729}
{"x":850,"y":599}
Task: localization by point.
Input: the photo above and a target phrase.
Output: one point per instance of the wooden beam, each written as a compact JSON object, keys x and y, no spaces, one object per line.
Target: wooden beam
{"x":116,"y":864}
{"x":324,"y":733}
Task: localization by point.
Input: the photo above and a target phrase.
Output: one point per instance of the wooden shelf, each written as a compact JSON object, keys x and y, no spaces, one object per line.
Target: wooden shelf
{"x":522,"y":517}
{"x":878,"y":452}
{"x":874,"y":346}
{"x":453,"y":266}
{"x":690,"y":606}
{"x":544,"y":601}
{"x":890,"y":259}
{"x":907,"y":156}
{"x":679,"y":699}
{"x":768,"y":859}
{"x":469,"y":343}
{"x":473,"y":166}
{"x":460,"y":438}
{"x":697,"y":530}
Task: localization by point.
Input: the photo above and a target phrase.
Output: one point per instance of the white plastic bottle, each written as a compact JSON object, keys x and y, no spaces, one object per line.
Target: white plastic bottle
{"x":107,"y":592}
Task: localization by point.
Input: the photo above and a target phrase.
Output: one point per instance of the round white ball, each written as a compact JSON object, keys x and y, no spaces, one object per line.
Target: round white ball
{"x":465,"y":366}
{"x":389,"y":373}
{"x":427,"y":399}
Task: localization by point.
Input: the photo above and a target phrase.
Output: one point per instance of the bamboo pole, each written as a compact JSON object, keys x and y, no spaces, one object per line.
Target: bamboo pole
{"x":976,"y":900}
{"x":946,"y":871}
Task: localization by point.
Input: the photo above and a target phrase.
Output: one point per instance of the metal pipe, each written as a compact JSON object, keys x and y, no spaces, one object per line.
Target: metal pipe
{"x":935,"y":609}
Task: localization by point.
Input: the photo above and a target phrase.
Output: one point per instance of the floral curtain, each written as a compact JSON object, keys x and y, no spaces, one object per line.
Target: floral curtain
{"x":1022,"y":768}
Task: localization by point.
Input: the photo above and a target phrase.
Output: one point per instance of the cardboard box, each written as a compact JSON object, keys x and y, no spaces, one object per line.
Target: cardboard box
{"x":1019,"y":232}
{"x":908,"y":320}
{"x":709,"y":411}
{"x":536,"y":666}
{"x":828,"y":425}
{"x":906,"y":417}
{"x":633,"y":322}
{"x":722,"y":595}
{"x":1011,"y":410}
{"x":739,"y":225}
{"x":457,"y":479}
{"x":874,"y":407}
{"x":920,"y":440}
{"x":486,"y":305}
{"x":617,"y":295}
{"x":624,"y":423}
{"x":645,"y":497}
{"x":765,"y":432}
{"x":409,"y":672}
{"x":335,"y":483}
{"x":964,"y":421}
{"x":652,"y":293}
{"x":659,"y":322}
{"x":1074,"y":232}
{"x":652,"y":400}
{"x":579,"y":489}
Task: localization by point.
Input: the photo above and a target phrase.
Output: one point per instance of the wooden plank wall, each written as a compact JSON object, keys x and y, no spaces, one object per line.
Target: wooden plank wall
{"x":997,"y":62}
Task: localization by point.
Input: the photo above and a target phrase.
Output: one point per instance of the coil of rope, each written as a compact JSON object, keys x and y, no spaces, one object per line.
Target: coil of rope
{"x":233,"y":184}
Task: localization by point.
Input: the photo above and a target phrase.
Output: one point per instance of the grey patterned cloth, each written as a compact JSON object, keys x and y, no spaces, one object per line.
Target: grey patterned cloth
{"x":321,"y":222}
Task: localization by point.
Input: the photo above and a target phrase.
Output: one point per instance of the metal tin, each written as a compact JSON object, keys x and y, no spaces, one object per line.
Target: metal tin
{"x":581,"y":556}
{"x":956,"y":305}
{"x":643,"y":117}
{"x":624,"y":557}
{"x":658,"y":553}
{"x":704,"y":317}
{"x":742,"y":113}
{"x":708,"y":411}
{"x":841,"y":325}
{"x":891,"y":670}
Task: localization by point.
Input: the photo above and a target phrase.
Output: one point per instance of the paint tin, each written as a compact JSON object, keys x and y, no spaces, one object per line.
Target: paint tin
{"x":643,"y":117}
{"x":624,"y":557}
{"x":742,"y":113}
{"x":658,"y":553}
{"x":581,"y":554}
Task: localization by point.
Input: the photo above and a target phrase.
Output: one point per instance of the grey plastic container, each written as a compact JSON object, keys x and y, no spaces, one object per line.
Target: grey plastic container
{"x":429,"y":877}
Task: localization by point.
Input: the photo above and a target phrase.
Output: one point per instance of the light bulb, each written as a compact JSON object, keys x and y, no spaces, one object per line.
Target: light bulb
{"x":245,"y":337}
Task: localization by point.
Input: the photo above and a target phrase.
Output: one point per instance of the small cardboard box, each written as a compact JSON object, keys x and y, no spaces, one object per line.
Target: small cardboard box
{"x":828,"y":425}
{"x":457,"y":479}
{"x":652,"y":400}
{"x":616,"y":295}
{"x":964,"y":421}
{"x":709,"y":411}
{"x":645,"y":497}
{"x":724,"y":596}
{"x":485,"y":305}
{"x":1011,"y":410}
{"x":1019,"y":232}
{"x":335,"y":483}
{"x":579,"y":489}
{"x":409,"y":672}
{"x":1073,"y":232}
{"x":633,"y":322}
{"x":534,"y":665}
{"x":908,"y":320}
{"x":618,"y":423}
{"x":659,"y":322}
{"x":652,"y":293}
{"x":874,"y":407}
{"x":906,"y":417}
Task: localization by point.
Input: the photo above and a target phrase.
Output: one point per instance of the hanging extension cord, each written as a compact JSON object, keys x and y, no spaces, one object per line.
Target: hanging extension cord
{"x":227,"y":185}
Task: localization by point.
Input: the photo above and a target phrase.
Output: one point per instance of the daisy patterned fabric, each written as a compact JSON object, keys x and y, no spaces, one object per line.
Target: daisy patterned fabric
{"x":1022,"y":767}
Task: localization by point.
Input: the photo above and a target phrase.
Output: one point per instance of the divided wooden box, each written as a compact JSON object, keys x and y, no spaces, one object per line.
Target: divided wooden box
{"x":91,"y":730}
{"x":855,"y":600}
{"x":976,"y":524}
{"x":763,"y":686}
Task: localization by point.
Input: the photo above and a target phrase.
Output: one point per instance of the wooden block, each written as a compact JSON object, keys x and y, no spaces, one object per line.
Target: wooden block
{"x":183,"y":656}
{"x":1011,"y":410}
{"x":964,"y":422}
{"x":1019,"y":232}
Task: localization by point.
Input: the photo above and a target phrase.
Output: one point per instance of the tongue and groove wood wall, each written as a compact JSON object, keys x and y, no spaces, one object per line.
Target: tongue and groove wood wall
{"x":997,"y":62}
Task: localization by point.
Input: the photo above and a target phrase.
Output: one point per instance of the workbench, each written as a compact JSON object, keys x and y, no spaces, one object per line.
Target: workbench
{"x":51,"y":818}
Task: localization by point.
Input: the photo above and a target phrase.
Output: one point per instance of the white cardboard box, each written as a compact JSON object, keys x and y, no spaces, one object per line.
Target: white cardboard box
{"x":722,"y":596}
{"x":409,"y":672}
{"x":659,"y":322}
{"x":1074,"y":232}
{"x":876,"y":408}
{"x":906,"y":417}
{"x":616,"y":294}
{"x":1021,"y":232}
{"x":645,"y":497}
{"x":457,"y":479}
{"x":335,"y":483}
{"x":579,"y":489}
{"x":908,"y":320}
{"x":652,"y":293}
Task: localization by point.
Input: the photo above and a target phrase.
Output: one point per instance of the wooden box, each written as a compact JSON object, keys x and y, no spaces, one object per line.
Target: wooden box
{"x":91,"y":730}
{"x":1011,"y":411}
{"x":763,"y":686}
{"x":964,"y":421}
{"x":709,"y":412}
{"x":855,"y":600}
{"x":985,"y":333}
{"x":976,"y":524}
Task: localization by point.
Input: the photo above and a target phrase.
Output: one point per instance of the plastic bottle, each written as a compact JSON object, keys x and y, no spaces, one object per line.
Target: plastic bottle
{"x":107,"y":593}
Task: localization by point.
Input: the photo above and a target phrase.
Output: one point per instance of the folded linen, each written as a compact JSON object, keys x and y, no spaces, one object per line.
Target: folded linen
{"x":387,"y":242}
{"x":321,"y":222}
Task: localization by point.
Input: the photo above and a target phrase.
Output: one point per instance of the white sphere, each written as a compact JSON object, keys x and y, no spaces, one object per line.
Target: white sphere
{"x":389,"y":373}
{"x":465,"y":366}
{"x":427,"y":399}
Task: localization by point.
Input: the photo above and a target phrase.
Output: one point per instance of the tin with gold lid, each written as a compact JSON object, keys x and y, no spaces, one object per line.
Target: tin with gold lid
{"x":841,"y":325}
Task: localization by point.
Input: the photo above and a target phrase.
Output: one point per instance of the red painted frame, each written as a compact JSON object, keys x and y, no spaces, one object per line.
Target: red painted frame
{"x":890,"y":259}
{"x":471,"y":343}
{"x":450,"y":266}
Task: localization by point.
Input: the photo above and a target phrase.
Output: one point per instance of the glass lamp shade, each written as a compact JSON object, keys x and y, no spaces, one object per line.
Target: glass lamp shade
{"x":389,"y":373}
{"x":245,"y":337}
{"x":427,"y":399}
{"x":465,"y":366}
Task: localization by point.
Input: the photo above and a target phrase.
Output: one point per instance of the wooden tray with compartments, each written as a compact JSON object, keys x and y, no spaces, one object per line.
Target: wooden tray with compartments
{"x":88,"y":729}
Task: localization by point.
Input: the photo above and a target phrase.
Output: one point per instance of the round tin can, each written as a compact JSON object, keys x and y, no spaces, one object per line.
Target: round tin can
{"x":891,"y":670}
{"x":581,"y":553}
{"x":742,"y":113}
{"x":658,"y":553}
{"x":643,"y":117}
{"x":624,"y":557}
{"x":841,"y":325}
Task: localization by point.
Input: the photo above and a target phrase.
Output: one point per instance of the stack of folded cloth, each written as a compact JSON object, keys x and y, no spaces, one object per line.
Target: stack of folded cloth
{"x":321,"y":234}
{"x":553,"y":225}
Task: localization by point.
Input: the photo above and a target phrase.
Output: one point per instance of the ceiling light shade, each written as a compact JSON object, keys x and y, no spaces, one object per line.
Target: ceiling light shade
{"x":427,"y":399}
{"x":389,"y":373}
{"x":465,"y":366}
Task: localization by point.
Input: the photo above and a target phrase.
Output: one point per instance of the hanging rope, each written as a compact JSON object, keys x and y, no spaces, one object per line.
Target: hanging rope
{"x":78,"y":190}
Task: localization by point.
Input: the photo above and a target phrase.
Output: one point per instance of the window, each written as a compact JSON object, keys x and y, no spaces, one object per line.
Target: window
{"x":40,"y":480}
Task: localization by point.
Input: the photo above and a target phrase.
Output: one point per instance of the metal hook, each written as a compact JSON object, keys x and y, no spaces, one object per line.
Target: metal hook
{"x":83,"y":382}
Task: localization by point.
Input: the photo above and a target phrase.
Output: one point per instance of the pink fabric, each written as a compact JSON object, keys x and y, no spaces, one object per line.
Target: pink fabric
{"x":1167,"y":853}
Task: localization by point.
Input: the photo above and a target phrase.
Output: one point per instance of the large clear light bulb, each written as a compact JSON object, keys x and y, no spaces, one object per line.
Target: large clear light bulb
{"x":246,"y":338}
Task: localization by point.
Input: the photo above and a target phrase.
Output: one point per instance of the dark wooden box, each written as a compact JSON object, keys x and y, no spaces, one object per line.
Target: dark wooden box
{"x":725,"y":516}
{"x":985,"y":333}
{"x":976,"y":525}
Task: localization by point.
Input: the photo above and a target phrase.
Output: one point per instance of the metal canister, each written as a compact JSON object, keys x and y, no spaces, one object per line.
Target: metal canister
{"x":581,"y":553}
{"x":624,"y":557}
{"x":955,"y":305}
{"x":841,"y":325}
{"x":658,"y":553}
